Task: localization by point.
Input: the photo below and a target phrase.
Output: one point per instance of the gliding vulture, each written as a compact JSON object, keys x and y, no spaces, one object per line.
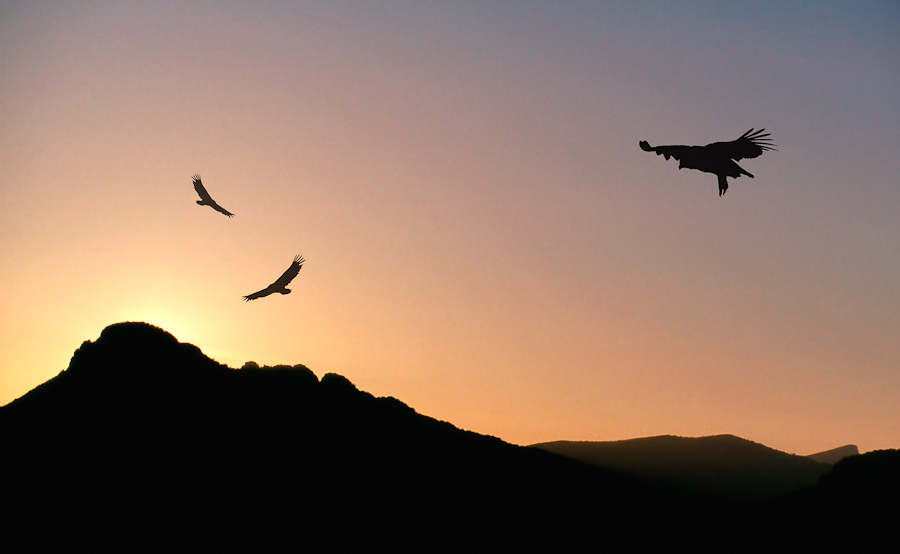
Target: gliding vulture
{"x":281,"y":284}
{"x":718,"y":157}
{"x":206,"y":199}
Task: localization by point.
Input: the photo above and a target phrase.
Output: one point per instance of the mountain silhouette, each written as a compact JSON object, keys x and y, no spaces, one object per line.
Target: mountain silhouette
{"x":835,"y":455}
{"x":723,"y":465}
{"x":145,"y":443}
{"x":144,"y":440}
{"x":854,"y":506}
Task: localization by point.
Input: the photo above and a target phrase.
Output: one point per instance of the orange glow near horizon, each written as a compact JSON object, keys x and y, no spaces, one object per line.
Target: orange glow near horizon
{"x":484,"y":238}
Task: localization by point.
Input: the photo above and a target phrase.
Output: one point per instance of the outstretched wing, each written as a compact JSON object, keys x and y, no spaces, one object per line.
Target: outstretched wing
{"x":206,"y":198}
{"x":258,"y":294}
{"x":291,"y":272}
{"x":750,"y":145}
{"x":674,"y":151}
{"x":219,"y":208}
{"x":201,"y":190}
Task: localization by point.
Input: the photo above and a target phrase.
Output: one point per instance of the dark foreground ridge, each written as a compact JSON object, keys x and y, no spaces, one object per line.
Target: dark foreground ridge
{"x":146,"y":443}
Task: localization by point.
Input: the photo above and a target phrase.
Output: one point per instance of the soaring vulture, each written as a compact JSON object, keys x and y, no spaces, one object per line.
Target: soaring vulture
{"x":206,"y":199}
{"x":718,"y":157}
{"x":281,"y":284}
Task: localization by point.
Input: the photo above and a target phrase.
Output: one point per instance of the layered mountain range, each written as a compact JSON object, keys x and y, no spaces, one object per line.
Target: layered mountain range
{"x":144,"y":442}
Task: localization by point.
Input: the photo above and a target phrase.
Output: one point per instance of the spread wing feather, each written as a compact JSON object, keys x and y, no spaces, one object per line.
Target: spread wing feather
{"x":750,"y":145}
{"x":201,"y":190}
{"x":291,"y":272}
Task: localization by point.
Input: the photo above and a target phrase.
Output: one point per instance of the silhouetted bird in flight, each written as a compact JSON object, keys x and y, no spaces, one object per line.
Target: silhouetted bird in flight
{"x":718,"y":157}
{"x":206,"y":199}
{"x":281,"y":284}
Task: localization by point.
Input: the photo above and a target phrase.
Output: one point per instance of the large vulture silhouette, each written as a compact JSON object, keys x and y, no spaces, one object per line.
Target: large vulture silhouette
{"x":206,"y":199}
{"x":281,"y":284}
{"x":719,"y":157}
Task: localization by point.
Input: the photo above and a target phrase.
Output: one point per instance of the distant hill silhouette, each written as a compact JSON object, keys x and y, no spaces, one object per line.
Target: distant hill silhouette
{"x":724,"y":464}
{"x":144,"y":443}
{"x":835,"y":455}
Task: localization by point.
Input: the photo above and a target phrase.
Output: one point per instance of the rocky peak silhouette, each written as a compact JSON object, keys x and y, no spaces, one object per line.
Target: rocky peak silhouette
{"x":142,"y":433}
{"x":146,"y":443}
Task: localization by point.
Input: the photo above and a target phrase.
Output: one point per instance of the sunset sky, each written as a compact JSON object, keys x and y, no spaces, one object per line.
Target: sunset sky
{"x":484,"y":238}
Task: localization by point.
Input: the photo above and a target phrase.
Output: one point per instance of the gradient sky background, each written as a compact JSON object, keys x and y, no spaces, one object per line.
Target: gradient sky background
{"x":484,"y":238}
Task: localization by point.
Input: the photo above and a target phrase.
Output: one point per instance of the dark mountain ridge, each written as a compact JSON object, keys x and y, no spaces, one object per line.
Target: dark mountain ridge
{"x":724,"y":465}
{"x":146,"y":443}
